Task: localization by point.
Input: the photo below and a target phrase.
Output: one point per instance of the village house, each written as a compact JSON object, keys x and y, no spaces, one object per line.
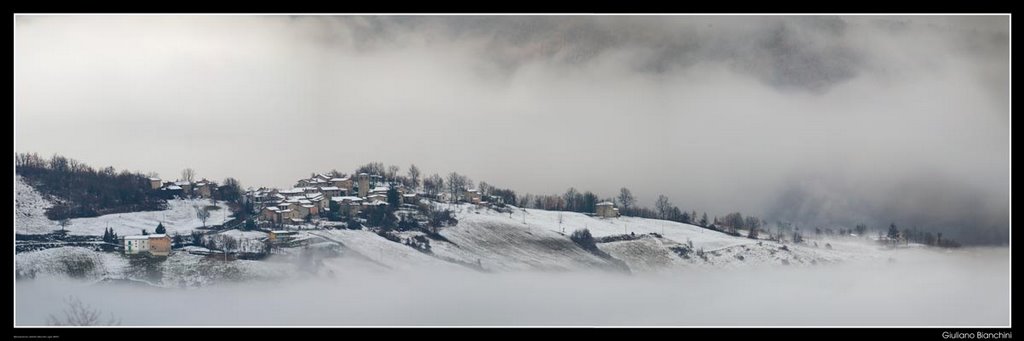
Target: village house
{"x":202,"y":190}
{"x":310,"y":183}
{"x":271,"y":214}
{"x":263,"y":197}
{"x":331,"y":191}
{"x":306,"y":210}
{"x":173,"y":190}
{"x":607,"y":210}
{"x":379,"y":190}
{"x":292,"y":192}
{"x":186,"y":187}
{"x":472,"y":196}
{"x":318,"y":199}
{"x":281,"y":235}
{"x":349,"y":204}
{"x":375,"y":203}
{"x":377,"y":197}
{"x":153,"y":244}
{"x":344,"y":183}
{"x":155,"y":183}
{"x":159,"y":245}
{"x":409,"y":198}
{"x":135,"y":244}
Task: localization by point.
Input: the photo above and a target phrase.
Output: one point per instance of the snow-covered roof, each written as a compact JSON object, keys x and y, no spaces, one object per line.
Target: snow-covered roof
{"x":182,"y":183}
{"x":136,"y":237}
{"x":291,"y":191}
{"x":173,"y":187}
{"x":379,"y":189}
{"x":155,"y":179}
{"x":283,"y":232}
{"x":330,"y":188}
{"x":348,"y":198}
{"x":341,"y":179}
{"x":307,"y":206}
{"x":410,"y":195}
{"x":605,"y":203}
{"x":162,"y":235}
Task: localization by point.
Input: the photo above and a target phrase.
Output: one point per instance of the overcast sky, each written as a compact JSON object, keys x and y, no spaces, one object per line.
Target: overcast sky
{"x":820,"y":119}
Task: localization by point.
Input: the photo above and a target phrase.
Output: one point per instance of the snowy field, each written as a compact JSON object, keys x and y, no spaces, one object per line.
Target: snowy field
{"x":373,"y":248}
{"x":180,"y":216}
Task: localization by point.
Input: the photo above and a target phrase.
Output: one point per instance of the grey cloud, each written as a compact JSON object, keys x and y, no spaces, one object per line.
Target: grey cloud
{"x":802,"y":53}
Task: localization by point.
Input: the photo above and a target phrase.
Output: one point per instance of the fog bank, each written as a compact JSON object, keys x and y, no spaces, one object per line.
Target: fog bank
{"x":918,"y":287}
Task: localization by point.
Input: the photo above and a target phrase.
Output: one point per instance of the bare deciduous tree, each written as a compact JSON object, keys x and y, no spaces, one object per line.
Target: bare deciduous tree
{"x":188,"y":174}
{"x":433,"y":185}
{"x":626,"y":198}
{"x":525,"y":200}
{"x":79,"y":314}
{"x":663,"y":206}
{"x":392,"y":172}
{"x":485,"y":188}
{"x":457,"y":184}
{"x":414,"y":176}
{"x":202,"y":214}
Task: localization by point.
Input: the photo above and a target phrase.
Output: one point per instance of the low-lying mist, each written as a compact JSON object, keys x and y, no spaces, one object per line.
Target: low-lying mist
{"x":913,"y":287}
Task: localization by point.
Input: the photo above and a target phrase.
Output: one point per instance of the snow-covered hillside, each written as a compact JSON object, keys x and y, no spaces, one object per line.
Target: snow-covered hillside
{"x":181,"y":269}
{"x":505,"y":242}
{"x":370,"y":247}
{"x":483,"y":240}
{"x":30,"y":210}
{"x":76,"y":262}
{"x":500,"y":243}
{"x":180,"y":216}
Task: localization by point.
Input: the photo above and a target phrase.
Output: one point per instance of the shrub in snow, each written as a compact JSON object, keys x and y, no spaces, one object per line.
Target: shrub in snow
{"x":584,"y":239}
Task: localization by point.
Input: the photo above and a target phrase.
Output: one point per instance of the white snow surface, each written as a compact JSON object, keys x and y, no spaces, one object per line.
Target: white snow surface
{"x":179,"y":217}
{"x":489,"y":240}
{"x":392,"y":255}
{"x":30,"y":210}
